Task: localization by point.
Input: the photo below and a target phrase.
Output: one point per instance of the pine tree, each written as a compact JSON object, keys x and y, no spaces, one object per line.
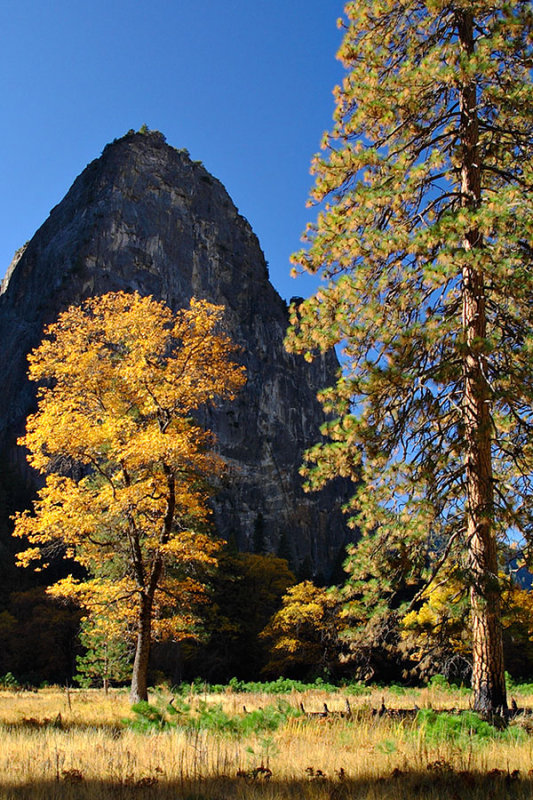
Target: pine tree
{"x":259,"y":541}
{"x":107,"y":655}
{"x":424,"y":242}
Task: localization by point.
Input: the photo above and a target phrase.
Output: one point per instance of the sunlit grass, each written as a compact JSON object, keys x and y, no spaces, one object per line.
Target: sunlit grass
{"x":75,"y":744}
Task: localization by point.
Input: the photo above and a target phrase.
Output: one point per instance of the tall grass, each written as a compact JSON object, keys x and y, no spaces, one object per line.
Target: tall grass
{"x":79,"y":744}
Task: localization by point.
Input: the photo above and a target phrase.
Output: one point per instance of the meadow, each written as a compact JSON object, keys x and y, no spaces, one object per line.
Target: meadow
{"x":59,"y":744}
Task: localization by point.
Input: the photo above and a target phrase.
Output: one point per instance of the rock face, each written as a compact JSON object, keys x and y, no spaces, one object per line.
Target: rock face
{"x":145,"y":217}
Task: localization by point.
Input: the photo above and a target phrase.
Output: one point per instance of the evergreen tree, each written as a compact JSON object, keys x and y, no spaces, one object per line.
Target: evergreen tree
{"x":246,"y":591}
{"x":424,"y":243}
{"x":107,"y":657}
{"x":284,"y":549}
{"x":259,"y":542}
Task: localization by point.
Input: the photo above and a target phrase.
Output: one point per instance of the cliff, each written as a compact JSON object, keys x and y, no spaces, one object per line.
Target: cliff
{"x":145,"y":217}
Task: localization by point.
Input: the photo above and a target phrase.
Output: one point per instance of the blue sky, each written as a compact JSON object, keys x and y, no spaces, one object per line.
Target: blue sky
{"x":245,"y":85}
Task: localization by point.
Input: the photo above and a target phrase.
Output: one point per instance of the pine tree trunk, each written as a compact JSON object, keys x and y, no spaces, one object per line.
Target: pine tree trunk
{"x":488,"y":678}
{"x":139,"y":678}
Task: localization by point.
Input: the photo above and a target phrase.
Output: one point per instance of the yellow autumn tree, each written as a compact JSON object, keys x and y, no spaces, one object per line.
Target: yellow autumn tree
{"x":437,"y":637}
{"x":125,"y":463}
{"x":304,"y":633}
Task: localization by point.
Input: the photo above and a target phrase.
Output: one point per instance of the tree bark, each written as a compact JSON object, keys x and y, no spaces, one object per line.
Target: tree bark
{"x":139,"y":678}
{"x":106,"y":669}
{"x":488,"y":677}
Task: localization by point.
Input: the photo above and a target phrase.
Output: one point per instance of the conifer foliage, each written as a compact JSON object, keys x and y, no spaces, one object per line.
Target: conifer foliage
{"x":125,"y":463}
{"x":424,"y":244}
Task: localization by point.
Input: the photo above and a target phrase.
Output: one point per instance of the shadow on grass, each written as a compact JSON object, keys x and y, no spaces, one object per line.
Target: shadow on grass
{"x":115,"y":730}
{"x":397,"y":786}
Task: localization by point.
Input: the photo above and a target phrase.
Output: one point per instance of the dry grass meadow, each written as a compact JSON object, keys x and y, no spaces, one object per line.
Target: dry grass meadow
{"x":59,"y":745}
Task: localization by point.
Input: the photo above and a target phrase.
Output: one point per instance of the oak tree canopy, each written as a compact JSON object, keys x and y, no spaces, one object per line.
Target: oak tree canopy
{"x":126,"y":465}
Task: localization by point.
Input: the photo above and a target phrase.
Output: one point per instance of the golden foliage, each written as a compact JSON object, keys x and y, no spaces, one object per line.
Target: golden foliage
{"x":125,"y":463}
{"x":305,"y":630}
{"x":437,"y":636}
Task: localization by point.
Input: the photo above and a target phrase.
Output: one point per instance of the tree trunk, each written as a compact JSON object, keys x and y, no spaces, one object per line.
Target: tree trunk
{"x":488,"y":678}
{"x":139,"y":678}
{"x":106,"y":669}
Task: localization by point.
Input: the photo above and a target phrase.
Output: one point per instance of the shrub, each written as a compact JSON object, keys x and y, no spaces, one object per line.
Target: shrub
{"x":165,"y":715}
{"x":442,"y":684}
{"x":462,"y":729}
{"x":517,"y":687}
{"x":8,"y":681}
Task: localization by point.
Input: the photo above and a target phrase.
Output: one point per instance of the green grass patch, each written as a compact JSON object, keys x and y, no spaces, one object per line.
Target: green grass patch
{"x":442,"y":684}
{"x":167,"y":715}
{"x":518,"y":687}
{"x":279,"y":686}
{"x":464,"y":729}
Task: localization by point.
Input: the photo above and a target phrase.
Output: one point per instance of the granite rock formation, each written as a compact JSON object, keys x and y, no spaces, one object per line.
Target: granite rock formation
{"x":145,"y":217}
